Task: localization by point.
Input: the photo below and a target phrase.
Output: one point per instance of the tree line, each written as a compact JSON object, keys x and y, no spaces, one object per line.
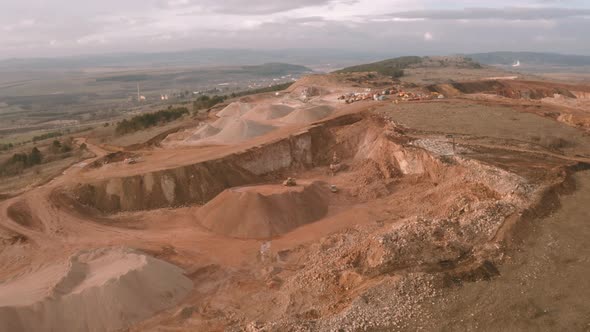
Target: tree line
{"x":47,"y":135}
{"x":144,"y":121}
{"x":19,"y":161}
{"x":204,"y":102}
{"x":272,"y":88}
{"x":6,"y":147}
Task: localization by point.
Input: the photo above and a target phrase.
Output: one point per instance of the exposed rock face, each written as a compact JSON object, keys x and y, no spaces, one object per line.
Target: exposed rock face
{"x":424,"y":244}
{"x":196,"y":183}
{"x":174,"y":187}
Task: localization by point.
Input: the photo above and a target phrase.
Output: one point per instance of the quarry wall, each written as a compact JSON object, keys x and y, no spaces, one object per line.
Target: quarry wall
{"x":197,"y":183}
{"x":200,"y":182}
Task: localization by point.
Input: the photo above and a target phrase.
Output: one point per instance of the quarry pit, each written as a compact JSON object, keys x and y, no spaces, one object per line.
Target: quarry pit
{"x":406,"y":212}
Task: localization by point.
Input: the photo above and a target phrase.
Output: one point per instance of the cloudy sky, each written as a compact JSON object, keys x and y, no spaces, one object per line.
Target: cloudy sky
{"x":43,"y":28}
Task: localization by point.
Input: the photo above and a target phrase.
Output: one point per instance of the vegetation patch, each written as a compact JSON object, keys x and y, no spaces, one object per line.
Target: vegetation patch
{"x":148,"y":120}
{"x":124,"y":78}
{"x":274,"y":69}
{"x":204,"y":102}
{"x":272,"y":88}
{"x":6,"y":147}
{"x":47,"y":135}
{"x":391,"y":67}
{"x":20,"y":161}
{"x":56,"y":151}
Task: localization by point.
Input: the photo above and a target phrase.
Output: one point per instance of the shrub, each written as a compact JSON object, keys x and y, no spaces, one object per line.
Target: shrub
{"x":55,"y":146}
{"x":20,"y":161}
{"x":555,"y":143}
{"x":35,"y":158}
{"x":6,"y":147}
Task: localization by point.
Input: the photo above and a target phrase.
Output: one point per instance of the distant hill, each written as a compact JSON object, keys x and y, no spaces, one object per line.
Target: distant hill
{"x":275,"y":69}
{"x":531,"y":58}
{"x":212,"y":74}
{"x":390,"y":67}
{"x":395,"y":67}
{"x":192,"y":58}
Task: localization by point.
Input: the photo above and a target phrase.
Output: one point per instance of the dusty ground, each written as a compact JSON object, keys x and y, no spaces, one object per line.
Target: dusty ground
{"x":476,"y":122}
{"x":540,"y":287}
{"x":414,"y":227}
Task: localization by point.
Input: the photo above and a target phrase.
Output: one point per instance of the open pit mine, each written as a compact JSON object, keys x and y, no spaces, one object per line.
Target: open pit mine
{"x":294,"y":211}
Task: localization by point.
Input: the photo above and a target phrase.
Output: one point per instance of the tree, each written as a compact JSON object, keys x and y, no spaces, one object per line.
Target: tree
{"x":19,"y":158}
{"x":16,"y":164}
{"x":55,"y":146}
{"x":66,"y":146}
{"x":35,"y":157}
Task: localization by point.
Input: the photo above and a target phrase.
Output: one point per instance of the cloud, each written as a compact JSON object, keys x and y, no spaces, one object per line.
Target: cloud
{"x":105,"y":26}
{"x":92,"y":39}
{"x":241,"y":7}
{"x":514,"y":13}
{"x":21,"y":25}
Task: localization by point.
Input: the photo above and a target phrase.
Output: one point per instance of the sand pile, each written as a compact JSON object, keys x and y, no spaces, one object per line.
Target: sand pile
{"x":265,"y":211}
{"x":98,"y":290}
{"x":308,"y":114}
{"x":236,"y":129}
{"x":222,"y":122}
{"x":178,"y":136}
{"x":204,"y":131}
{"x":21,"y":213}
{"x":268,"y":112}
{"x":235,"y":109}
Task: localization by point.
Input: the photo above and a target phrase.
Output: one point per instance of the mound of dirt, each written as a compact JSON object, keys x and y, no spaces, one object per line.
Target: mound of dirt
{"x":308,"y":114}
{"x":235,"y":109}
{"x":21,"y":213}
{"x":222,"y":122}
{"x":204,"y":131}
{"x":98,"y":290}
{"x":265,"y":211}
{"x":236,"y":129}
{"x":268,"y":112}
